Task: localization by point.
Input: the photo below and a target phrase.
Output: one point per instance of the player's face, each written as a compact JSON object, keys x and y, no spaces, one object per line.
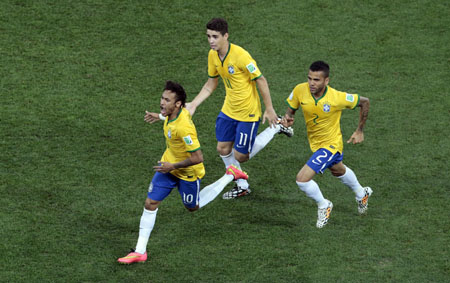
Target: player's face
{"x":317,"y":82}
{"x":216,"y":40}
{"x":168,"y":105}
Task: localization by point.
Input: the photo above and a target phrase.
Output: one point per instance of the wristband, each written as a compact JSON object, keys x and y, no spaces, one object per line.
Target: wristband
{"x":161,"y":117}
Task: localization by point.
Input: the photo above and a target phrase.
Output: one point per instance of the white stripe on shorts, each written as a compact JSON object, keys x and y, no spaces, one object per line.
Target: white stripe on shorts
{"x":251,"y":137}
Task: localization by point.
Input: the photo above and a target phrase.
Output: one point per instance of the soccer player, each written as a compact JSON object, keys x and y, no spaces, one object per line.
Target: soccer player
{"x":322,"y":107}
{"x":181,"y":166}
{"x":237,"y":123}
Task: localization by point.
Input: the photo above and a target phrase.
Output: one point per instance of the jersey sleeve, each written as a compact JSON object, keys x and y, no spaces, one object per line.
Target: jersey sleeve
{"x":248,"y":65}
{"x":212,"y":70}
{"x":293,"y":100}
{"x":189,"y":135}
{"x":348,"y":100}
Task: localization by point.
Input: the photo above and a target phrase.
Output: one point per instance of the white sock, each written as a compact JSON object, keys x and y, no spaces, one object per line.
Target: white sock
{"x":350,"y":180}
{"x":228,"y":160}
{"x":145,"y":229}
{"x":210,"y":192}
{"x":263,"y":139}
{"x":312,"y":190}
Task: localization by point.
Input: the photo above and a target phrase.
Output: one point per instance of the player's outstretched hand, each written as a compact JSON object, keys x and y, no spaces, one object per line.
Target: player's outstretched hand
{"x":357,"y":137}
{"x":270,"y":115}
{"x":151,"y":117}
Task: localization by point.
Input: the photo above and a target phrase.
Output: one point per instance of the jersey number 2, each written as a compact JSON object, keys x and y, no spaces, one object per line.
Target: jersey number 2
{"x":318,"y":160}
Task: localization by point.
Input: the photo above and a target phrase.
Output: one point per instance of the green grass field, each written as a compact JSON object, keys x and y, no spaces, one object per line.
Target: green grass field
{"x":77,"y":157}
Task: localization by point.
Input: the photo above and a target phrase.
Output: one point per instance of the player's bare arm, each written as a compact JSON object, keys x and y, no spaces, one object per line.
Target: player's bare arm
{"x":165,"y":167}
{"x":269,"y":112}
{"x":152,"y":117}
{"x":358,"y":135}
{"x":205,"y":92}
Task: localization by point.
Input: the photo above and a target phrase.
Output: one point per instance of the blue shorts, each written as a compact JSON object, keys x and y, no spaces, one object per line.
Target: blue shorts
{"x":243,"y":134}
{"x":162,"y":184}
{"x":323,"y":159}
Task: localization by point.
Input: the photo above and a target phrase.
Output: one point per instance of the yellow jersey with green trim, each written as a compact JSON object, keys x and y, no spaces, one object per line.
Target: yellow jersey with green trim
{"x":322,"y":115}
{"x":238,"y":71}
{"x":181,"y":140}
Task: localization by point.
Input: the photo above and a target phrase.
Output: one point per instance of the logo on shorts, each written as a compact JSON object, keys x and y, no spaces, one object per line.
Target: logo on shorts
{"x":150,"y":188}
{"x":230,"y":70}
{"x":251,"y":68}
{"x":326,"y":108}
{"x":350,"y":97}
{"x":188,"y":140}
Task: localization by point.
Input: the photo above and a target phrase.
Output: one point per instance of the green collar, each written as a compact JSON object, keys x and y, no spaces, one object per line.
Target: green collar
{"x":226,"y":55}
{"x":324,"y":93}
{"x":178,"y":115}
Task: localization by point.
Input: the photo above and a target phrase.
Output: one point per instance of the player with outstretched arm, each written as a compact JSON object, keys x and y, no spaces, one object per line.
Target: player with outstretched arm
{"x":322,"y":107}
{"x":181,"y":166}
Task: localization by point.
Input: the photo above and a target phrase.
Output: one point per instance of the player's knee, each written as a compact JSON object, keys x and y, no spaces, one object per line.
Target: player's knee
{"x":337,"y":171}
{"x":305,"y":175}
{"x":151,"y":204}
{"x":223,"y":151}
{"x":192,"y":209}
{"x":241,"y":157}
{"x":303,"y":179}
{"x":150,"y":207}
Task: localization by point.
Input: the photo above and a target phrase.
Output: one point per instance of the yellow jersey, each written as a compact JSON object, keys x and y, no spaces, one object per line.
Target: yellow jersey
{"x":181,"y":140}
{"x":238,"y":71}
{"x":322,"y":115}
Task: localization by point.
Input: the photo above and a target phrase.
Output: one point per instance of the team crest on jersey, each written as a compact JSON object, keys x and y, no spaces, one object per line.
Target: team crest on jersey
{"x":350,"y":97}
{"x":251,"y":68}
{"x":169,"y":134}
{"x":230,"y":70}
{"x":188,"y":140}
{"x":326,"y":108}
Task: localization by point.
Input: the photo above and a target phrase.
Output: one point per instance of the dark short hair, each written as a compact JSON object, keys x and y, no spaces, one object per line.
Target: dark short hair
{"x":320,"y":66}
{"x":178,"y":90}
{"x":218,"y":24}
